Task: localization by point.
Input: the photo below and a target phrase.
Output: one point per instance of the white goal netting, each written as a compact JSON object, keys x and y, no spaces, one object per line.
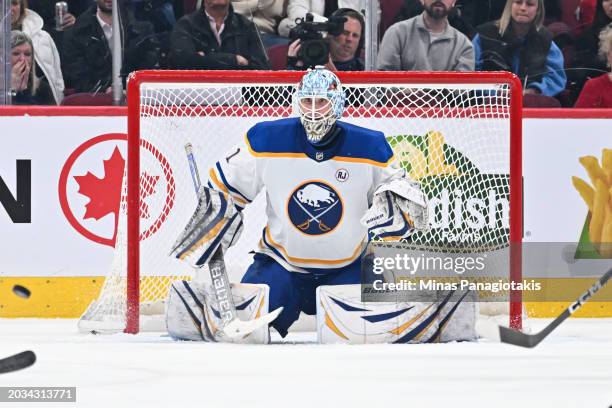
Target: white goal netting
{"x":453,"y":134}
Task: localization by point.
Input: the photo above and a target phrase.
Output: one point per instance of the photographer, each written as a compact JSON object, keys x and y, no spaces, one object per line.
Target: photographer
{"x":339,"y":51}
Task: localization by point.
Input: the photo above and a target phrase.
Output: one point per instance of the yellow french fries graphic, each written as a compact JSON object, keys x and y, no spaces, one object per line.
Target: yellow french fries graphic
{"x":598,"y":198}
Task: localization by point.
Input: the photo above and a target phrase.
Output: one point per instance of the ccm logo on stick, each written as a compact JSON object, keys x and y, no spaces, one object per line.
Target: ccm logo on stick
{"x":19,"y":206}
{"x":586,"y":296}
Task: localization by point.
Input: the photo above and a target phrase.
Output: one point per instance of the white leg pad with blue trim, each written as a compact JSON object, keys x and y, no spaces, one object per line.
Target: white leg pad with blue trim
{"x":192,"y":312}
{"x":343,"y":318}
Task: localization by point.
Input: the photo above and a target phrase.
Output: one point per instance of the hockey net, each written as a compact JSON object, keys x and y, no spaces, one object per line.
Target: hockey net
{"x":458,"y":134}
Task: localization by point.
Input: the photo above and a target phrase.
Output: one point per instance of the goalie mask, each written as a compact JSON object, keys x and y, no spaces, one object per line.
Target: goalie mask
{"x":319,"y":101}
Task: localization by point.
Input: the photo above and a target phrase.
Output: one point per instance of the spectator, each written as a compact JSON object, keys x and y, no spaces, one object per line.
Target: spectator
{"x":587,"y":44}
{"x":87,"y":56}
{"x":426,"y":43}
{"x":266,"y":14}
{"x":46,"y":56}
{"x":465,"y":15}
{"x":46,"y":9}
{"x":26,"y":87}
{"x":597,"y":92}
{"x":160,"y":13}
{"x":519,"y":43}
{"x":320,"y":9}
{"x":215,"y":37}
{"x":344,"y":49}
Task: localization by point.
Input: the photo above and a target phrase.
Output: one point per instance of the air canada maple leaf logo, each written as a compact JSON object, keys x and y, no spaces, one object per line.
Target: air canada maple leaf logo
{"x":105,"y":193}
{"x":90,"y":189}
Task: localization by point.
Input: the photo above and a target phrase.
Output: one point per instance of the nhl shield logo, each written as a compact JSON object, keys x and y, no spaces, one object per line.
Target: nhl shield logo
{"x":315,"y":208}
{"x":319,"y":156}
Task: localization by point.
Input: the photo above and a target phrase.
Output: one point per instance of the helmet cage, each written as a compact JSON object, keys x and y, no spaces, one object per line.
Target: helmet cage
{"x":319,"y":102}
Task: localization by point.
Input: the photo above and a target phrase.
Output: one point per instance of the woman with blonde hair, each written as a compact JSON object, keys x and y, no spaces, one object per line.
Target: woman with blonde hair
{"x":46,"y":56}
{"x":26,"y":87}
{"x":518,"y":42}
{"x":597,"y":92}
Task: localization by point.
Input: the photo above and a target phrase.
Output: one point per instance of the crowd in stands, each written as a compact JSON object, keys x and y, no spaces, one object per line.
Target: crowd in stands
{"x":426,"y":42}
{"x":518,"y":42}
{"x":560,"y":52}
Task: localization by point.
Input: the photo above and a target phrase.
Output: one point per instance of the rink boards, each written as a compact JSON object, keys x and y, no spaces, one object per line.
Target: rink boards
{"x":67,"y":254}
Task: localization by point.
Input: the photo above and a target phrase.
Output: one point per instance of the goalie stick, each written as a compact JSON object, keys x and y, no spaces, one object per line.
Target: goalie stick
{"x":511,"y":336}
{"x":234,"y":327}
{"x":17,"y":361}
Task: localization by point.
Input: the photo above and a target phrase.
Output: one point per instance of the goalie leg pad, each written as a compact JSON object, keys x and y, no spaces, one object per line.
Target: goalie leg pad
{"x":192,"y":312}
{"x":343,"y":318}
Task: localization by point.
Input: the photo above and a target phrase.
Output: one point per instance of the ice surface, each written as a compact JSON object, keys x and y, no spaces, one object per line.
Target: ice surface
{"x":571,"y":368}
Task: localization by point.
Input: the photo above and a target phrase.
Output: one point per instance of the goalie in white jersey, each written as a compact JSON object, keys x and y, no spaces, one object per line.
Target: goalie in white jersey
{"x":321,"y":176}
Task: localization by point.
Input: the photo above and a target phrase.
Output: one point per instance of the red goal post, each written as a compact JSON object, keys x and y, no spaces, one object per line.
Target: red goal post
{"x":493,"y":99}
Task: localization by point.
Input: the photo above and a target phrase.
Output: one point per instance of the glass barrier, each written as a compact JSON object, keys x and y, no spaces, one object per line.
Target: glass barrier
{"x":179,"y":34}
{"x":5,"y":62}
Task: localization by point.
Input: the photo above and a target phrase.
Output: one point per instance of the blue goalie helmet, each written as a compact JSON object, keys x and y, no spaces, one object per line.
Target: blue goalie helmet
{"x":319,"y":102}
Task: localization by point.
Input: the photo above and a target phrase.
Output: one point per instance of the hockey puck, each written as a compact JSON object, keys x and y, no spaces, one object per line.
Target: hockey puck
{"x":21,"y":291}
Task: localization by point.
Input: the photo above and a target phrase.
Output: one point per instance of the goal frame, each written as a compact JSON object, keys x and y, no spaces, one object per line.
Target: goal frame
{"x":136,"y":79}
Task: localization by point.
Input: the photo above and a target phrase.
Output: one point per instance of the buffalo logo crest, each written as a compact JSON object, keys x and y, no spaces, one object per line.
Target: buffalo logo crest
{"x":315,"y":208}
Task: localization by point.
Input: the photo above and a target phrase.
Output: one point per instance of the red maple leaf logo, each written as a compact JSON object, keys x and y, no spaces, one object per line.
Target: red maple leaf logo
{"x":105,"y":193}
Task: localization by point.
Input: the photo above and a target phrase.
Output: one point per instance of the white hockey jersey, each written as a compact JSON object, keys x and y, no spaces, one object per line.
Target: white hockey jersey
{"x":315,"y":198}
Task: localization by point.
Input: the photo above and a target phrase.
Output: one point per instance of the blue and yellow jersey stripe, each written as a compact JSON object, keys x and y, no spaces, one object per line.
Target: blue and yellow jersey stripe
{"x":358,"y":145}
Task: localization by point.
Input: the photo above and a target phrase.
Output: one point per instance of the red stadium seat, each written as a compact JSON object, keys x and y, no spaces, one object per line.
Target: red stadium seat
{"x":388,"y":12}
{"x":540,"y":101}
{"x":568,"y":12}
{"x":278,"y":56}
{"x":88,"y":99}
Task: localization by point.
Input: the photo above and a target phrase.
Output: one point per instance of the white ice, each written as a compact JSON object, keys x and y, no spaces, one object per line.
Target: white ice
{"x":571,"y":368}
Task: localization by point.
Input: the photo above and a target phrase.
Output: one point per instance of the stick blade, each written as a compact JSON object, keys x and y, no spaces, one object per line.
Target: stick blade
{"x":17,"y":362}
{"x":517,"y":338}
{"x":239,"y":328}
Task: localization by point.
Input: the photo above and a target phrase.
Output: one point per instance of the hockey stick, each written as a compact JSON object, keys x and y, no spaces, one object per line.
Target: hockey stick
{"x":511,"y":336}
{"x":232,"y":327}
{"x":17,"y":361}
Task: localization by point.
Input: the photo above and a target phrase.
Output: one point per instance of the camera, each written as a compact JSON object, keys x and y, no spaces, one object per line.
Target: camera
{"x":314,"y":47}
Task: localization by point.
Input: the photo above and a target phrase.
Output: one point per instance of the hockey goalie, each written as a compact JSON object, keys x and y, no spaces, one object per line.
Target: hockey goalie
{"x":330,"y":188}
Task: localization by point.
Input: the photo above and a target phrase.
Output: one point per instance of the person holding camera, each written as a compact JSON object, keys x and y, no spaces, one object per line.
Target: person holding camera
{"x":296,"y":10}
{"x":339,"y":51}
